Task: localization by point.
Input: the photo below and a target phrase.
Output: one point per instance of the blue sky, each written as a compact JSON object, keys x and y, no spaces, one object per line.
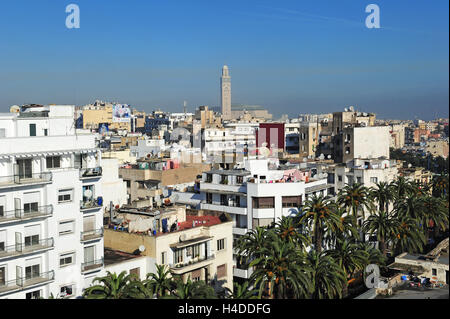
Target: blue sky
{"x":290,"y":56}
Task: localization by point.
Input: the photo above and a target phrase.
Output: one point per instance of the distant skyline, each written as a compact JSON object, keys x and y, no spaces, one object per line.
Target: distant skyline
{"x":290,"y":56}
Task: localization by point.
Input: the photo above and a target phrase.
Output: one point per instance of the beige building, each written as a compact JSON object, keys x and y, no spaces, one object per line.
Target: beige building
{"x":351,"y":118}
{"x":397,"y":135}
{"x":416,"y":174}
{"x":207,"y":117}
{"x":438,"y":148}
{"x":195,"y":247}
{"x":146,"y":179}
{"x":362,"y":142}
{"x":308,"y":139}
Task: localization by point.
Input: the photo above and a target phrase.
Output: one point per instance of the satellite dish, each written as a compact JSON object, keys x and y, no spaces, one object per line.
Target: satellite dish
{"x":141,"y":248}
{"x":87,"y":193}
{"x":183,"y":237}
{"x":165,"y":192}
{"x":329,"y":156}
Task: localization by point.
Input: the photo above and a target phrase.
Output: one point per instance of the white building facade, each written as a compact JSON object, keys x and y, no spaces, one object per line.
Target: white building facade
{"x":51,"y":220}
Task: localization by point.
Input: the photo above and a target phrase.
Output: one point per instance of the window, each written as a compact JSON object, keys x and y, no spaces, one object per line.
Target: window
{"x":32,"y":240}
{"x":222,"y":271}
{"x":209,"y":178}
{"x":263,"y":202}
{"x":178,"y":256}
{"x":239,"y":179}
{"x":223,"y":200}
{"x":2,"y":210}
{"x":136,"y":272}
{"x":163,"y":258}
{"x":32,"y":129}
{"x":208,"y":198}
{"x":25,"y":168}
{"x":53,"y":161}
{"x":2,"y":275}
{"x":66,"y":291}
{"x":66,"y":259}
{"x":45,"y":132}
{"x":30,"y":207}
{"x":291,"y":201}
{"x":65,"y":195}
{"x":128,"y":183}
{"x":196,"y":275}
{"x":374,"y":180}
{"x":33,"y":295}
{"x":359,"y":180}
{"x":32,"y":271}
{"x":221,"y":244}
{"x":196,"y":250}
{"x":434,"y":272}
{"x":340,"y":178}
{"x":66,"y":227}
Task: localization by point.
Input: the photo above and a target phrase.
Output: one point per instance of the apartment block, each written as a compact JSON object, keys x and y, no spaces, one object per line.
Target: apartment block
{"x":51,"y":220}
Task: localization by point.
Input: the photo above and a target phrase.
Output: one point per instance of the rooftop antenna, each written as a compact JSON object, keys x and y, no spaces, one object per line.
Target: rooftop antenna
{"x":184,"y":107}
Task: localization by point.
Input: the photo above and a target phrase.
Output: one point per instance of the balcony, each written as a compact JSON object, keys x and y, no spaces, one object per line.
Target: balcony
{"x":22,"y":215}
{"x":89,"y":173}
{"x":92,"y":265}
{"x":199,"y":262}
{"x":25,"y":179}
{"x":23,"y":249}
{"x":224,"y":208}
{"x":92,"y":235}
{"x":24,"y":282}
{"x":90,"y":204}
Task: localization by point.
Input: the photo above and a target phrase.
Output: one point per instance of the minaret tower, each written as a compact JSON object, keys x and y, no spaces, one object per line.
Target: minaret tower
{"x":225,"y":83}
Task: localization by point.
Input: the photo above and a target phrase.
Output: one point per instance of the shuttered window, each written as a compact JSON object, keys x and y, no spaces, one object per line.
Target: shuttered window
{"x":263,"y":202}
{"x":66,"y":227}
{"x":221,"y":271}
{"x":291,"y":201}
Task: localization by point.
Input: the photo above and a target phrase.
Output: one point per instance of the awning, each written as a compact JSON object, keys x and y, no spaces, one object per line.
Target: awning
{"x":190,"y":242}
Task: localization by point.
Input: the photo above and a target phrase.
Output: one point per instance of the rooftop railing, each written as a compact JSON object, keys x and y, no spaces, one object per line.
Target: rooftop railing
{"x":90,"y":204}
{"x":192,"y":261}
{"x":37,"y":279}
{"x":21,"y":214}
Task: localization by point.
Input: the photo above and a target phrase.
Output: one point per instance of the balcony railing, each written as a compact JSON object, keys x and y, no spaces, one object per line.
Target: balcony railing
{"x":39,"y":279}
{"x":24,"y":282}
{"x":92,"y":265}
{"x":92,"y":234}
{"x":179,"y":266}
{"x":90,"y":204}
{"x":21,"y":214}
{"x":21,"y":248}
{"x":90,"y":172}
{"x":24,"y":179}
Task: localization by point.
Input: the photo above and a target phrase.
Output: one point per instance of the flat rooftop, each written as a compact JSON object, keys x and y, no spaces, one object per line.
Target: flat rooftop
{"x":112,"y":256}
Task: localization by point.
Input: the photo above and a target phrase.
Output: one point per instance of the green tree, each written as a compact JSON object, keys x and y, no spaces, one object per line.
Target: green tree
{"x":320,"y":216}
{"x":328,"y":278}
{"x":160,"y":282}
{"x":385,"y":225}
{"x":113,"y":286}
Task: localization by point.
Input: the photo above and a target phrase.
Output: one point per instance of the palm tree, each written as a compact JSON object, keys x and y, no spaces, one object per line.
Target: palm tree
{"x":383,"y":224}
{"x":115,"y":286}
{"x":159,"y":282}
{"x":288,"y":230}
{"x":435,"y":213}
{"x":409,"y":237}
{"x":356,"y":198}
{"x":350,"y":258}
{"x":382,"y":193}
{"x":242,"y":291}
{"x":441,"y":186}
{"x":320,"y":216}
{"x":401,"y":187}
{"x":251,"y":244}
{"x":280,"y":270}
{"x":328,"y":278}
{"x":346,"y":230}
{"x":192,"y":290}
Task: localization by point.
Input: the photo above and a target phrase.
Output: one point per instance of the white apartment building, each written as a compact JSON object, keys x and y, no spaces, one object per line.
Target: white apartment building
{"x":256,"y":195}
{"x":147,"y":146}
{"x":231,"y":139}
{"x":51,"y":221}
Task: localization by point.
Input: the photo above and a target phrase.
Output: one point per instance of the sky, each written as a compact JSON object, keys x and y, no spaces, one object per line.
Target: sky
{"x":289,"y":56}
